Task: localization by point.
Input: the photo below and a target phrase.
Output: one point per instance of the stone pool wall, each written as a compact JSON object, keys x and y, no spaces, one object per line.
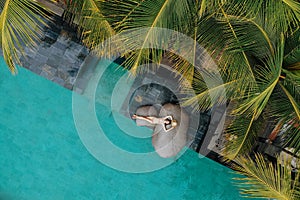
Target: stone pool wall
{"x":58,"y":56}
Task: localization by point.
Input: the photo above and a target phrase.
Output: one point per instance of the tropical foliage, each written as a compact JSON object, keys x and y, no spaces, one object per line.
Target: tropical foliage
{"x":265,"y":180}
{"x":20,"y":26}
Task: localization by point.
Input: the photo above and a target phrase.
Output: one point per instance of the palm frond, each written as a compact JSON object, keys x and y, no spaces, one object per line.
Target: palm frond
{"x":294,"y":7}
{"x":267,"y":77}
{"x":209,"y":97}
{"x":120,"y":12}
{"x":245,"y":8}
{"x":292,"y":51}
{"x":264,"y":180}
{"x":287,"y":15}
{"x":292,"y":101}
{"x":279,"y":106}
{"x":210,"y":35}
{"x":233,"y":65}
{"x":203,"y":53}
{"x":252,"y":36}
{"x":257,"y":102}
{"x":240,"y":130}
{"x":236,"y":42}
{"x":93,"y":25}
{"x":292,"y":83}
{"x":280,"y":109}
{"x":234,"y":61}
{"x":291,"y":88}
{"x":211,"y":90}
{"x":20,"y":25}
{"x":168,"y":14}
{"x":205,"y":7}
{"x":248,"y":24}
{"x":261,"y":14}
{"x":291,"y":135}
{"x":184,"y":67}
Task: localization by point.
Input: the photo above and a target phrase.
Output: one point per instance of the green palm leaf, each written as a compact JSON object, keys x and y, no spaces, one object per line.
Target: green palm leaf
{"x":236,"y":43}
{"x":210,"y":90}
{"x":281,"y":109}
{"x":292,"y":137}
{"x":267,"y":77}
{"x":93,"y":25}
{"x":292,"y":51}
{"x":291,"y":88}
{"x":169,"y":14}
{"x":240,"y":129}
{"x":287,"y":16}
{"x":19,"y":26}
{"x":279,"y":106}
{"x":264,"y":180}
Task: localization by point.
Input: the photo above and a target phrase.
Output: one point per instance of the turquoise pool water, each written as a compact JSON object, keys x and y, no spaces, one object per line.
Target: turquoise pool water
{"x":42,"y":156}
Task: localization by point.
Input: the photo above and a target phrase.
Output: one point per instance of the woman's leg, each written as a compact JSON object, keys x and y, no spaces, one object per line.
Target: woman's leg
{"x":148,"y":119}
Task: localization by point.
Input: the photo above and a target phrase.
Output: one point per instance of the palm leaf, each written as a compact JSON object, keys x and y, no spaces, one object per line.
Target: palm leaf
{"x":164,"y":14}
{"x":204,"y":52}
{"x":292,"y":51}
{"x":286,"y":18}
{"x":279,"y":106}
{"x":292,"y":101}
{"x":93,"y":26}
{"x":291,"y":136}
{"x":245,"y":8}
{"x":256,"y":103}
{"x":170,"y":14}
{"x":281,"y":109}
{"x":291,"y":88}
{"x":211,"y":90}
{"x":20,"y":25}
{"x":241,"y":131}
{"x":236,"y":43}
{"x":264,"y":180}
{"x":234,"y":61}
{"x":261,"y":14}
{"x":267,"y":77}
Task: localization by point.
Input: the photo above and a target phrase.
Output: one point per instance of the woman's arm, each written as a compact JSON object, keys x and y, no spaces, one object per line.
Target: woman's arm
{"x":168,"y":128}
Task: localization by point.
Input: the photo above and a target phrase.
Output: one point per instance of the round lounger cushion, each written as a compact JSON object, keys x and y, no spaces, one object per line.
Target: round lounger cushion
{"x":146,"y":111}
{"x":169,"y":144}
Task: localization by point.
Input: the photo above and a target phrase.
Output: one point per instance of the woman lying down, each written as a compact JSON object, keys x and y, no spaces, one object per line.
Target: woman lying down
{"x":167,"y":122}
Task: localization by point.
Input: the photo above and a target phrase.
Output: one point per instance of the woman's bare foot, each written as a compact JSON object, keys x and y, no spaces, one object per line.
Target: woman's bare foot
{"x":133,"y":117}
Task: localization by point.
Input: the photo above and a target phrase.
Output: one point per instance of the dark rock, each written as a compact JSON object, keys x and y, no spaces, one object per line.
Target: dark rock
{"x":72,"y":72}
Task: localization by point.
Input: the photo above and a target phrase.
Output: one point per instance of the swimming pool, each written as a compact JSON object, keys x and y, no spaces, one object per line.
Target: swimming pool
{"x":42,"y":156}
